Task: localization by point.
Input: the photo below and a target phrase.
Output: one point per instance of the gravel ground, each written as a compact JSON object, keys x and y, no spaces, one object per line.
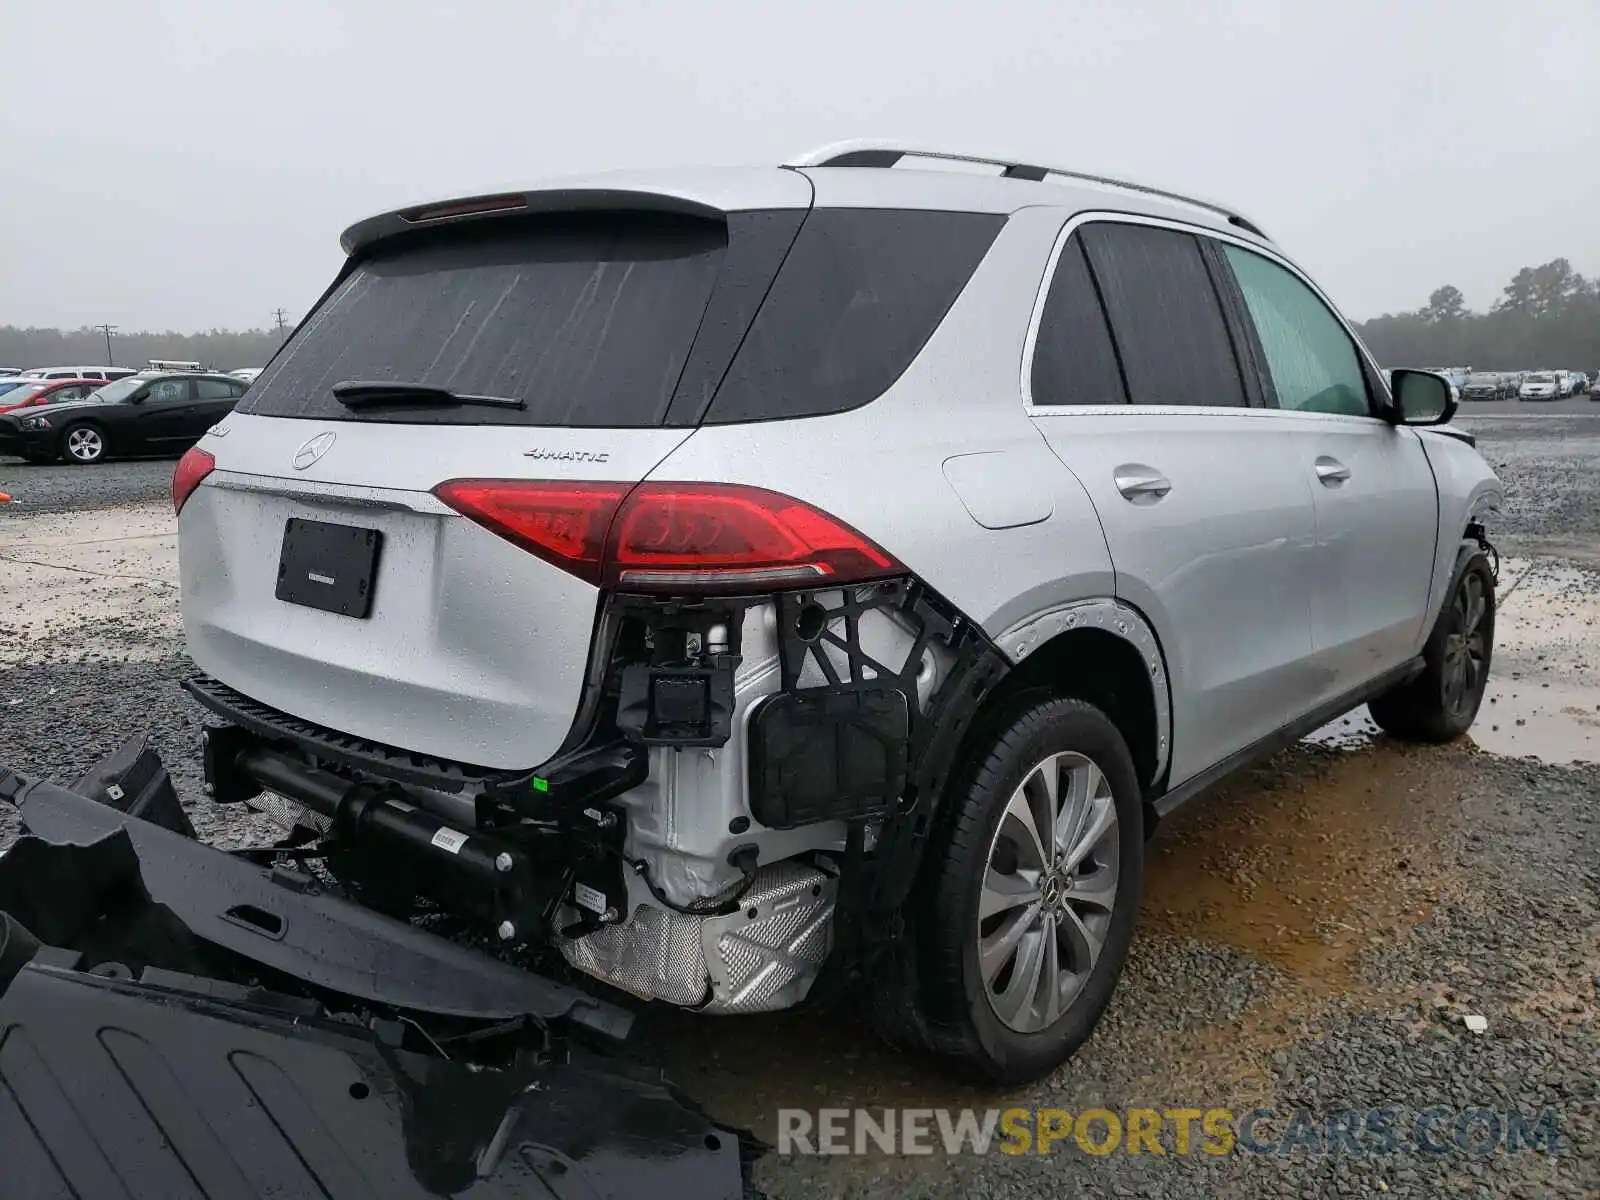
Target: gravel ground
{"x":62,"y":488}
{"x":1313,"y":936}
{"x":1548,"y":465}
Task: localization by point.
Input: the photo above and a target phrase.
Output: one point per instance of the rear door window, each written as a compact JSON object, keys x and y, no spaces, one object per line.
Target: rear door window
{"x":586,"y":318}
{"x":1074,"y":360}
{"x":1165,"y":315}
{"x":214,"y":389}
{"x":857,"y":298}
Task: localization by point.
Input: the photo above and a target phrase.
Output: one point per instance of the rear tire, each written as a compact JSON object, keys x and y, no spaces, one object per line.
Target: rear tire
{"x":1034,"y":891}
{"x":1440,"y":704}
{"x":83,"y":444}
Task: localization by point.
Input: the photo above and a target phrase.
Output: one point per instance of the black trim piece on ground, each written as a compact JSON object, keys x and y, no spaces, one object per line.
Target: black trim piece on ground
{"x":1174,"y":798}
{"x":284,"y":921}
{"x":177,"y":1085}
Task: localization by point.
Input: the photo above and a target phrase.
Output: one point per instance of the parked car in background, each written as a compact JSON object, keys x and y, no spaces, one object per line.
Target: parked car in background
{"x":1541,"y":385}
{"x":38,"y":392}
{"x":12,"y":383}
{"x":5,"y":371}
{"x":1594,"y":388}
{"x":1484,"y":387}
{"x":140,"y":415}
{"x":1580,"y":383}
{"x":106,"y":373}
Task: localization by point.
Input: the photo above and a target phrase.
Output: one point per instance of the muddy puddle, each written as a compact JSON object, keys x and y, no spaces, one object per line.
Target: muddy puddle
{"x":1543,"y":698}
{"x":1306,"y":861}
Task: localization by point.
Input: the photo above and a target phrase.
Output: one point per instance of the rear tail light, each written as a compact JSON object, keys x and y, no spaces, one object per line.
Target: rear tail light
{"x":194,"y":466}
{"x":673,"y":537}
{"x":563,"y":523}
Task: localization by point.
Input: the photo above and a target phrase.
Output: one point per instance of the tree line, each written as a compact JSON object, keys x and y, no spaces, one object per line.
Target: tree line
{"x":223,"y":349}
{"x":1547,"y":317}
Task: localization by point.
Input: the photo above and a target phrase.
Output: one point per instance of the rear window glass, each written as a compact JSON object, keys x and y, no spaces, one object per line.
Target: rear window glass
{"x":858,"y":296}
{"x":586,"y":318}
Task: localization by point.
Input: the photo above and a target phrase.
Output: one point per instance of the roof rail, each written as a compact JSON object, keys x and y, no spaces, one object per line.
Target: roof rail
{"x":869,"y":152}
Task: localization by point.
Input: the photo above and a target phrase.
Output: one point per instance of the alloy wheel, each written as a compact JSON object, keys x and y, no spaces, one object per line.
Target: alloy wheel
{"x":85,"y":445}
{"x":1048,"y":891}
{"x":1464,"y":647}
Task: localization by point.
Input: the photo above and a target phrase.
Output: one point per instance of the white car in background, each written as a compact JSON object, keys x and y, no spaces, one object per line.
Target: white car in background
{"x":1542,"y":385}
{"x":109,"y":374}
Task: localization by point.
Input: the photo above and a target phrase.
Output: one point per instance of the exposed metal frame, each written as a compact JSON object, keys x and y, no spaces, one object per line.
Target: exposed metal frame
{"x":869,"y":152}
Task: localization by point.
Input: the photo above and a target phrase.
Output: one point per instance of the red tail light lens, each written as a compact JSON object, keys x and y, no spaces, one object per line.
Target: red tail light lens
{"x":194,"y":466}
{"x":673,"y":537}
{"x":700,"y":536}
{"x":563,"y":523}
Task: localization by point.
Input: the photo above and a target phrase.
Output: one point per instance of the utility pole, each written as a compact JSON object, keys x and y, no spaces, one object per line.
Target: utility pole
{"x":107,"y":330}
{"x":279,"y":315}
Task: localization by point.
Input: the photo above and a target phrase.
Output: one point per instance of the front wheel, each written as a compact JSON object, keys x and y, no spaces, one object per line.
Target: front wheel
{"x":1035,"y":890}
{"x":1440,"y":704}
{"x":83,"y":444}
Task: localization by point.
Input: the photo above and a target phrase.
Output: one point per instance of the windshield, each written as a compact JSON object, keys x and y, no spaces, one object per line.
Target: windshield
{"x":116,"y":393}
{"x":13,"y":385}
{"x":21,"y":394}
{"x":1541,"y":379}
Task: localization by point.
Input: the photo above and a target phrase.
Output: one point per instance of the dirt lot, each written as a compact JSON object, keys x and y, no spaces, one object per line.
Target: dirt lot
{"x":1315,"y":933}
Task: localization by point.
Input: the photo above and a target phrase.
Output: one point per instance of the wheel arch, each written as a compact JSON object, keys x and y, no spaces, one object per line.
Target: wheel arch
{"x":1102,"y":651}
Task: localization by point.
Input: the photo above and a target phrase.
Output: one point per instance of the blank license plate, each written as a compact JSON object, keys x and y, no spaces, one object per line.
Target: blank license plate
{"x":331,"y":567}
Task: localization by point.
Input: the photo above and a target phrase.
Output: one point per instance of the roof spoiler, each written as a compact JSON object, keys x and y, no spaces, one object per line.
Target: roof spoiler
{"x":711,"y":193}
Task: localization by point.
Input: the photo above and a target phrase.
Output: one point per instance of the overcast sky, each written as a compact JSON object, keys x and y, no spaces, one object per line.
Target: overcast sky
{"x":190,"y":163}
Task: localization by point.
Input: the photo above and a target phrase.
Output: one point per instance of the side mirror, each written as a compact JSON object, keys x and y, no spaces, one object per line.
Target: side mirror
{"x":138,"y":397}
{"x":1421,"y":398}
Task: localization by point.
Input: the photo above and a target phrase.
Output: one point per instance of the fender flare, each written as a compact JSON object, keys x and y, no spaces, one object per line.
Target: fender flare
{"x":1111,"y":616}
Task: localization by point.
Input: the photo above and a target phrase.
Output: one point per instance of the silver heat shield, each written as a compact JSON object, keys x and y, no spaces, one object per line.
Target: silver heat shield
{"x":287,"y":813}
{"x":760,"y":958}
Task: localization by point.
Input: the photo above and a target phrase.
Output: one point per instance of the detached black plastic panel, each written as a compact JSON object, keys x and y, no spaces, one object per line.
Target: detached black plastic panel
{"x":177,"y":1088}
{"x":828,"y":754}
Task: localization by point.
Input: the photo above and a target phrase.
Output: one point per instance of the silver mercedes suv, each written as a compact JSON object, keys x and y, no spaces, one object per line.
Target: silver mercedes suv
{"x":754,"y":586}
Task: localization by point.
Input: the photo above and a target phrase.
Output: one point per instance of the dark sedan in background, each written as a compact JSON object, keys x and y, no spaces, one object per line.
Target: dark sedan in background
{"x":147,"y":414}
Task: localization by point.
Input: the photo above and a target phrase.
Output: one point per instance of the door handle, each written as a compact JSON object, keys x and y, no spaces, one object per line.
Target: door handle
{"x":1331,"y":471}
{"x":1141,"y":484}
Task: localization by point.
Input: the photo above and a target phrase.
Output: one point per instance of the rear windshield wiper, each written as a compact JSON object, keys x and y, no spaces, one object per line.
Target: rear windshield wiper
{"x":383,"y":393}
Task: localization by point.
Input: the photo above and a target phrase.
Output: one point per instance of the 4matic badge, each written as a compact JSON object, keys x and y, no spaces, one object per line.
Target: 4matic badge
{"x":586,"y":456}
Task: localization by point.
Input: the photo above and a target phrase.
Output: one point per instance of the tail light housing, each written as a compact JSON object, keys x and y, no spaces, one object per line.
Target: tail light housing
{"x":673,"y":537}
{"x":193,"y":467}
